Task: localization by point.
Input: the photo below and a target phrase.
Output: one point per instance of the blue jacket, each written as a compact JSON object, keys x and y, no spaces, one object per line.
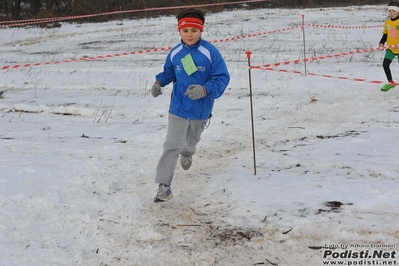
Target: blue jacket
{"x":211,"y":73}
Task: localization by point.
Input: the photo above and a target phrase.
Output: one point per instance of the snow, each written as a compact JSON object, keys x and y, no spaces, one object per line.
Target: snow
{"x":79,"y":144}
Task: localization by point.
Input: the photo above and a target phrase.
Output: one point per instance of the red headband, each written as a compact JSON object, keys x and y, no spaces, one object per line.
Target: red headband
{"x":190,"y":22}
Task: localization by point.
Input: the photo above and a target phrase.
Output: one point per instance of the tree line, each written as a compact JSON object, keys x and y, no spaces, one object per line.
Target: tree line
{"x":23,"y":9}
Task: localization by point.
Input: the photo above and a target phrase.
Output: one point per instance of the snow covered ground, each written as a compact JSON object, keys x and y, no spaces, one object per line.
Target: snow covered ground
{"x":79,"y":144}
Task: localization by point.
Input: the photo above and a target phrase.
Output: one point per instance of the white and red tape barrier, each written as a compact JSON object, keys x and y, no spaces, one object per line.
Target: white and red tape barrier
{"x":270,"y":67}
{"x":15,"y":66}
{"x":20,"y":23}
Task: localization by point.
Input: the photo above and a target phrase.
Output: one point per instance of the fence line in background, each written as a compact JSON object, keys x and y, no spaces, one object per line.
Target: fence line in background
{"x":19,"y":23}
{"x":297,"y":61}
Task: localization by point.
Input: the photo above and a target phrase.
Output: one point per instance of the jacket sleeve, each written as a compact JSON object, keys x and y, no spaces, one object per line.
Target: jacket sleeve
{"x":220,"y":76}
{"x":383,"y":39}
{"x":168,"y":75}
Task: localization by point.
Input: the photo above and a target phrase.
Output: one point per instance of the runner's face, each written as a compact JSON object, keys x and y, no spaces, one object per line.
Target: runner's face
{"x":190,"y":35}
{"x":393,"y":13}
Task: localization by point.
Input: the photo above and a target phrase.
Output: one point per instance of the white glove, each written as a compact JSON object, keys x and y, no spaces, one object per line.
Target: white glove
{"x":156,"y":89}
{"x":195,"y":92}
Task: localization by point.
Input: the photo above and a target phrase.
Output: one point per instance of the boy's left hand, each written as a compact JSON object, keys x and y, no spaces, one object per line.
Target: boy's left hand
{"x":195,"y":92}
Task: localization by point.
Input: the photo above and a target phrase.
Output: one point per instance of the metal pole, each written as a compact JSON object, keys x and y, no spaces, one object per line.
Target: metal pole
{"x":252,"y":111}
{"x":304,"y":42}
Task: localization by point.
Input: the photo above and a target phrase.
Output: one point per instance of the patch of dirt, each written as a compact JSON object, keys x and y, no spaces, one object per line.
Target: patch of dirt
{"x":351,"y":133}
{"x":232,"y":236}
{"x":334,"y":206}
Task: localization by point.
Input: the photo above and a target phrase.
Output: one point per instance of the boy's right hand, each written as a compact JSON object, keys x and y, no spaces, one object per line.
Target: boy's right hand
{"x":156,"y":89}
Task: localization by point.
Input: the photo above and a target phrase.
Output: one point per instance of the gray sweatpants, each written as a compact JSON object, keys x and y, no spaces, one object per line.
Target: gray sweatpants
{"x":182,"y":138}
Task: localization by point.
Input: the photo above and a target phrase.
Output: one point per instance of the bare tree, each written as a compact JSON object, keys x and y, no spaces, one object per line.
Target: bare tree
{"x":16,"y":9}
{"x":6,"y":11}
{"x":50,"y":3}
{"x":35,"y":6}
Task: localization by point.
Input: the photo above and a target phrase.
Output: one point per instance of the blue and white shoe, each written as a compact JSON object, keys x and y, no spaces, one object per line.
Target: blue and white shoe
{"x":164,"y":193}
{"x":186,"y":162}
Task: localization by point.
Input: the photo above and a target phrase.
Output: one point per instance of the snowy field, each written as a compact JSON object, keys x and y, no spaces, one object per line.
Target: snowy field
{"x":79,"y":144}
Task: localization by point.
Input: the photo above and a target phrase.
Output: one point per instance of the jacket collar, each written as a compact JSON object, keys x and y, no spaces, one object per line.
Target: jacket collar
{"x":191,"y":46}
